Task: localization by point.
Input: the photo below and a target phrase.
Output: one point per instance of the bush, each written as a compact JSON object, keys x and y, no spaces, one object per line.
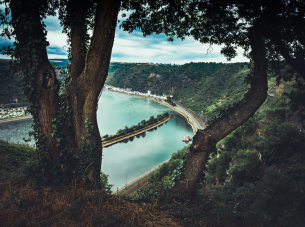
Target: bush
{"x":283,"y":141}
{"x":105,"y":186}
{"x":246,"y":167}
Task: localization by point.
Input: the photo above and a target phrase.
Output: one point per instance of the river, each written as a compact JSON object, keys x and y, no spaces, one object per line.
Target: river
{"x":115,"y":111}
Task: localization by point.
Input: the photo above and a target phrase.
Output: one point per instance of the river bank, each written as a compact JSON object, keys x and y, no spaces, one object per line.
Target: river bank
{"x":189,"y":119}
{"x":15,"y":119}
{"x":138,"y":179}
{"x":120,"y":138}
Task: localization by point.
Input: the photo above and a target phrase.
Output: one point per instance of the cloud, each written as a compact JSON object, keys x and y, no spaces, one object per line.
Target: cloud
{"x":57,"y":39}
{"x":53,"y":23}
{"x":155,"y":48}
{"x":4,"y":56}
{"x":134,"y":47}
{"x":57,"y":56}
{"x":120,"y":18}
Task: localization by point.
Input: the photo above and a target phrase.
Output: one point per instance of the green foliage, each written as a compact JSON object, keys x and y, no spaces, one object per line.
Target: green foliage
{"x":245,"y":168}
{"x":11,"y":86}
{"x":205,"y":88}
{"x":265,"y":179}
{"x":105,"y":186}
{"x":139,"y":126}
{"x":14,"y":159}
{"x":297,"y":99}
{"x":280,"y":194}
{"x":72,"y":163}
{"x":165,"y":176}
{"x":79,"y":18}
{"x":283,"y":141}
{"x":170,"y":101}
{"x":218,"y":166}
{"x":277,"y":197}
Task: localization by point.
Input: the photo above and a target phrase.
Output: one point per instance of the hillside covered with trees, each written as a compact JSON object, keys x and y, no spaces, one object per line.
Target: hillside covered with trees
{"x":254,"y":177}
{"x":11,"y":85}
{"x":201,"y":86}
{"x":11,"y":94}
{"x":246,"y":168}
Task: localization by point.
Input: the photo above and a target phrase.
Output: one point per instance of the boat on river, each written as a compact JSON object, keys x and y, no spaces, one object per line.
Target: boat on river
{"x":186,"y":139}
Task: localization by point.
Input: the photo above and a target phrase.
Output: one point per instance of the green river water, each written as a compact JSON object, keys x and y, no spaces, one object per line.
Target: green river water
{"x":138,"y":156}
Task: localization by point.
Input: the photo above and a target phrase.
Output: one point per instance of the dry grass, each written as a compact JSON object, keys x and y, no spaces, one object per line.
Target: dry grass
{"x":26,"y":204}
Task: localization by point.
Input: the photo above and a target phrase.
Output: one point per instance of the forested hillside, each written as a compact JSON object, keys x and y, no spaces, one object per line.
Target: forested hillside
{"x":202,"y":87}
{"x":11,"y":85}
{"x":256,"y":175}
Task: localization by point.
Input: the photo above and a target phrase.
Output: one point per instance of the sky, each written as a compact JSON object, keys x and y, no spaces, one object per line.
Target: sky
{"x":133,"y":47}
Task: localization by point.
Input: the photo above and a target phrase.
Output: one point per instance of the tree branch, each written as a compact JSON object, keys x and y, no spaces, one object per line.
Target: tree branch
{"x":204,"y":140}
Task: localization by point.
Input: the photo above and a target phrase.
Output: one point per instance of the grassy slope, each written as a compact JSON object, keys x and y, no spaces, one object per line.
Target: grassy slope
{"x":25,"y":203}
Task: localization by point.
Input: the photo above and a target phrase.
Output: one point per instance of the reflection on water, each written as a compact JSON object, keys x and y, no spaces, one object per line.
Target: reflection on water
{"x":15,"y":131}
{"x":146,"y":150}
{"x":138,"y":154}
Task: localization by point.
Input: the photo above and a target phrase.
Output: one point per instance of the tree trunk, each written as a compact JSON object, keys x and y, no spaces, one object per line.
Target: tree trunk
{"x":39,"y":75}
{"x":84,"y":88}
{"x":45,"y":78}
{"x":205,"y":140}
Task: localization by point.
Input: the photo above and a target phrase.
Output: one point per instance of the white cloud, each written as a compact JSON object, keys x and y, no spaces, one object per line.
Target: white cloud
{"x":53,"y":23}
{"x":136,"y":48}
{"x":127,"y":14}
{"x":57,"y":39}
{"x":57,"y":56}
{"x":4,"y":56}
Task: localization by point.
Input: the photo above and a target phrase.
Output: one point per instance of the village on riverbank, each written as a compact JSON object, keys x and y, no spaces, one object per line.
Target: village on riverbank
{"x":9,"y":113}
{"x":166,"y":100}
{"x":129,"y":91}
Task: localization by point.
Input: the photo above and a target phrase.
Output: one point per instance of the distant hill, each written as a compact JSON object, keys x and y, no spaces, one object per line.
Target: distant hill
{"x":11,"y":93}
{"x":11,"y":85}
{"x":202,"y":87}
{"x":59,"y":62}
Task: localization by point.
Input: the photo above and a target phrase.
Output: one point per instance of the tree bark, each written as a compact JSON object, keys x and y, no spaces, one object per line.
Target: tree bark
{"x":45,"y":78}
{"x":30,"y":34}
{"x":83,"y":91}
{"x":78,"y":60}
{"x":205,"y":140}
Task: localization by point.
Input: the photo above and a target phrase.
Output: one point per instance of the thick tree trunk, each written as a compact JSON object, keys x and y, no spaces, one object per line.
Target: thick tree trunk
{"x":83,"y":89}
{"x":45,"y":78}
{"x":205,"y":140}
{"x":30,"y":35}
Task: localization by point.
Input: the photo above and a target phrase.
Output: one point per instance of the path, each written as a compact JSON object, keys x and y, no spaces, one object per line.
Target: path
{"x":199,"y":123}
